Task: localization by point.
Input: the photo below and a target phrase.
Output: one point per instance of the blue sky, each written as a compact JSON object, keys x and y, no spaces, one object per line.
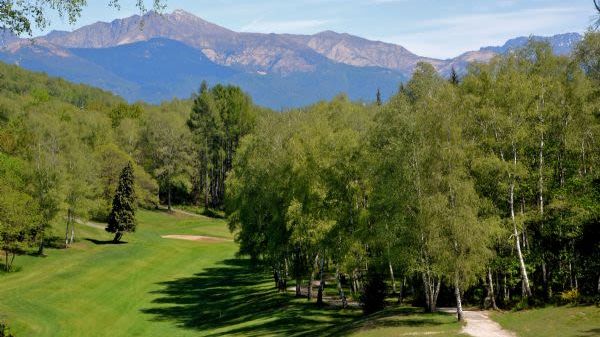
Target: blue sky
{"x":432,"y":28}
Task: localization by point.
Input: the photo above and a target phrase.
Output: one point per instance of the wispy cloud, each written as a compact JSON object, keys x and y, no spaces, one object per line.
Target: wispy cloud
{"x":284,"y":26}
{"x":450,"y":36}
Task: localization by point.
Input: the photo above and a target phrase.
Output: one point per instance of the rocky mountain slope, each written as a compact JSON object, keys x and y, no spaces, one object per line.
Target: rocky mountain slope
{"x":158,"y":57}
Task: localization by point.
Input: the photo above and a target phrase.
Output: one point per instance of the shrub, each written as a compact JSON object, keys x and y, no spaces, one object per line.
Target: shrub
{"x":4,"y":331}
{"x":374,"y":292}
{"x":570,"y":296}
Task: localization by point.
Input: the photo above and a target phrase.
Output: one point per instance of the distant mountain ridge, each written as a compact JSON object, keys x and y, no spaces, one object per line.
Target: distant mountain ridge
{"x":562,"y":44}
{"x":158,"y":57}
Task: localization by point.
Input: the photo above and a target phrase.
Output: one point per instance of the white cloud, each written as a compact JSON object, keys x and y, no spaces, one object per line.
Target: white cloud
{"x":451,"y":36}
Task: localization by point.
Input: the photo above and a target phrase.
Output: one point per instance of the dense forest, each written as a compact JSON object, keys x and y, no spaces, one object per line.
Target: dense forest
{"x":482,"y":188}
{"x":485,"y":187}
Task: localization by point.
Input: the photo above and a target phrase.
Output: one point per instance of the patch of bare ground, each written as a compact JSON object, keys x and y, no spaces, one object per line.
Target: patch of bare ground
{"x":479,"y":324}
{"x":196,"y":238}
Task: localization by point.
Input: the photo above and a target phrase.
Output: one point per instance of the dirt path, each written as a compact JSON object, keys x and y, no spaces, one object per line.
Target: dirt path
{"x":90,"y":224}
{"x":479,"y":324}
{"x":180,"y":211}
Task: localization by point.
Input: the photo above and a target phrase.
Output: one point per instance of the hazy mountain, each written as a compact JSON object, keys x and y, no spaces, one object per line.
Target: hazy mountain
{"x":160,"y":69}
{"x":7,"y":37}
{"x":158,"y":57}
{"x":562,"y":44}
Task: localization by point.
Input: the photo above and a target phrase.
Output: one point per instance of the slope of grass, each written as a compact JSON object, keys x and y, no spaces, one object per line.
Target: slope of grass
{"x":161,"y":287}
{"x":566,"y":321}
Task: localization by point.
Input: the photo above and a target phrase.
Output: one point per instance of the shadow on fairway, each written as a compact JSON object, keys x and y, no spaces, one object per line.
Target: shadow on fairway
{"x":242,"y":301}
{"x":105,"y":242}
{"x":591,"y":333}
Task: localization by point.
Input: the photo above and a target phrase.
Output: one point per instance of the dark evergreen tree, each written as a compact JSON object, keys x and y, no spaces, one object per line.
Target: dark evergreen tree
{"x":220,"y":116}
{"x":454,"y":77}
{"x":378,"y":97}
{"x":373,"y":297}
{"x":122,"y":216}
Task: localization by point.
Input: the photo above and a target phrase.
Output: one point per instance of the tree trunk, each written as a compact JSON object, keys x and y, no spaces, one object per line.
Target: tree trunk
{"x":436,"y":294}
{"x":570,"y":276}
{"x":276,"y":278}
{"x":118,"y":236}
{"x":526,"y":288}
{"x":459,"y":311}
{"x":67,"y":229}
{"x":505,"y":286}
{"x":41,"y":248}
{"x":321,"y":283}
{"x":169,"y":195}
{"x":432,"y":290}
{"x":427,"y":287}
{"x":491,"y":290}
{"x":6,"y":265}
{"x":72,"y":238}
{"x":392,"y":276}
{"x":340,"y":288}
{"x":312,"y":278}
{"x":298,"y":286}
{"x":541,"y":205}
{"x":401,"y":293}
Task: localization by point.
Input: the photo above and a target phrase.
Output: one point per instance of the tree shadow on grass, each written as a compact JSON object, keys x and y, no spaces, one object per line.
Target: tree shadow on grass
{"x":235,"y":299}
{"x":591,"y":333}
{"x":105,"y":242}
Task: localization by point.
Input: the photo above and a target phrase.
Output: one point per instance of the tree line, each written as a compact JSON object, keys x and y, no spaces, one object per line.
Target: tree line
{"x":488,"y":181}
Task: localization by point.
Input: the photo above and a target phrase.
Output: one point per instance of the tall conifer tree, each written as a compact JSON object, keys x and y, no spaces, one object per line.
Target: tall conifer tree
{"x":122,"y":216}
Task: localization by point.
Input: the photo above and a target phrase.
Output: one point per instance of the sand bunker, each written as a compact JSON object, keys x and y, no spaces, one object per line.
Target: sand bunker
{"x":196,"y":238}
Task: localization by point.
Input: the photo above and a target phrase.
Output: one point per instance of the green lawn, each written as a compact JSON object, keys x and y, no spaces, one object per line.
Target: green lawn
{"x":566,"y":321}
{"x":163,"y":287}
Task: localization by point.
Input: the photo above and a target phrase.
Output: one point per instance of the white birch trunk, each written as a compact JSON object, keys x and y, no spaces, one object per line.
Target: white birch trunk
{"x":526,"y":287}
{"x":392,"y":275}
{"x":491,"y":289}
{"x":459,"y":311}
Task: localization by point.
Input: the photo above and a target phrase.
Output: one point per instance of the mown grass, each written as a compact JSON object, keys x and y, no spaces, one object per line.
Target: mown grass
{"x":565,"y":321}
{"x":162,"y":287}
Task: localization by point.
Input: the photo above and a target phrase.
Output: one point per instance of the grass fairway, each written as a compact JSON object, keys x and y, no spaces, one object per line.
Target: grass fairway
{"x":566,"y":321}
{"x":152,"y":286}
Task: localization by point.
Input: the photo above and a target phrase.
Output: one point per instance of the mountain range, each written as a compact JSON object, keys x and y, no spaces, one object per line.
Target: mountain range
{"x":158,"y":57}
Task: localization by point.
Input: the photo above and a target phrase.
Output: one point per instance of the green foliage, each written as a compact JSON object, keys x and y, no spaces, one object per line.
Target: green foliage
{"x":123,"y":111}
{"x":19,"y":213}
{"x":165,"y":144}
{"x":570,"y":296}
{"x":122,"y":215}
{"x":4,"y":330}
{"x":220,"y":117}
{"x":441,"y":183}
{"x":21,"y":17}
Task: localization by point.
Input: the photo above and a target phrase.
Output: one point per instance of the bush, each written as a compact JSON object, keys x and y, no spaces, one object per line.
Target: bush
{"x":4,"y":331}
{"x":570,"y":296}
{"x":374,"y":292}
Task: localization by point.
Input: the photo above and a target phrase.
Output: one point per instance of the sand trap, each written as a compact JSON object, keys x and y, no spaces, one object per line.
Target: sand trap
{"x":196,"y":238}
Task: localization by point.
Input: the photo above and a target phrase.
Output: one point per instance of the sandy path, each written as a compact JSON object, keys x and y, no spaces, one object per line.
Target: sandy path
{"x":479,"y":324}
{"x":196,"y":238}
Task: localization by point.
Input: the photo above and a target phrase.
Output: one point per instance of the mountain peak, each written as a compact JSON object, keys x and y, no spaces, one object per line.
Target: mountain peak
{"x":181,"y":12}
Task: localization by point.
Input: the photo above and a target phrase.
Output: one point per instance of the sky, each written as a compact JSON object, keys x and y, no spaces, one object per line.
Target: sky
{"x":433,"y":28}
